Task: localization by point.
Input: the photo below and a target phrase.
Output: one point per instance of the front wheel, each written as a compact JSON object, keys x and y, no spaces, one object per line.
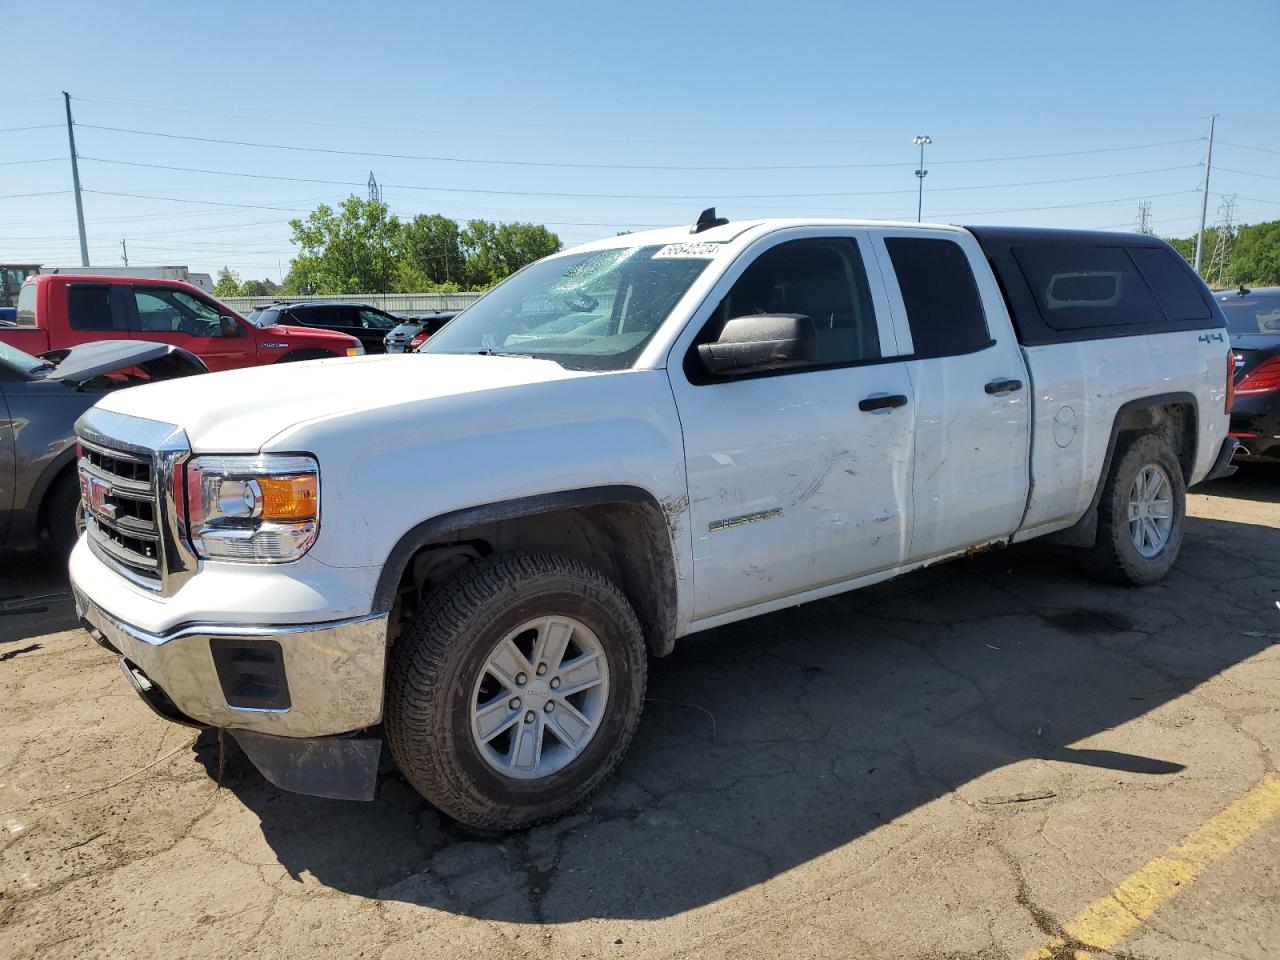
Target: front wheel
{"x":513,"y":694}
{"x":1141,"y":514}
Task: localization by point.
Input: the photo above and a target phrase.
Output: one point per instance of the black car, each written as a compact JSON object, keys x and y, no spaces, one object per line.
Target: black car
{"x":414,"y":331}
{"x":367,"y":324}
{"x":1253,"y":320}
{"x":40,"y":400}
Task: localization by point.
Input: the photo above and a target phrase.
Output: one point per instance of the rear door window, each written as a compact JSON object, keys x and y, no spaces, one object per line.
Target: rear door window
{"x":944,"y":307}
{"x":89,"y":309}
{"x":1080,"y":287}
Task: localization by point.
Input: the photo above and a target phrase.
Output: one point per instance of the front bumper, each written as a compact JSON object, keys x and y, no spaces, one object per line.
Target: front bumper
{"x":308,"y":680}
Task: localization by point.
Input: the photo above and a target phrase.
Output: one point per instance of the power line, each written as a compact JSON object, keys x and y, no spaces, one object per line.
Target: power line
{"x":609,"y":166}
{"x":38,"y":126}
{"x":15,"y":163}
{"x":1248,"y":173}
{"x":1248,"y":146}
{"x":44,"y":193}
{"x":637,"y":196}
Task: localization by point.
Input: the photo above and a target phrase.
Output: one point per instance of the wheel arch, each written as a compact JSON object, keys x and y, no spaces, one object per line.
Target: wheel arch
{"x":621,"y":530}
{"x":306,"y":353}
{"x":1175,"y":416}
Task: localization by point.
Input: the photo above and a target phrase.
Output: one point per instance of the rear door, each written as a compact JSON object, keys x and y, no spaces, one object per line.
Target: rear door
{"x":8,"y":463}
{"x":94,"y":311}
{"x":178,"y":317}
{"x":972,"y":401}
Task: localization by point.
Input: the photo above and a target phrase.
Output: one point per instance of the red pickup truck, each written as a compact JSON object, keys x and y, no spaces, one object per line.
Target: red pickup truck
{"x":56,"y":312}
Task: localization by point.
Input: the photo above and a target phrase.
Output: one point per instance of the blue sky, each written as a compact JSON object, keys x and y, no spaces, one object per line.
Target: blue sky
{"x":634,"y":95}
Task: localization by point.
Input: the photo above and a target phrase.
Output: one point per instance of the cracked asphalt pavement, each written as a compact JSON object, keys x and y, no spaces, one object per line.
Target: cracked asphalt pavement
{"x":954,"y":764}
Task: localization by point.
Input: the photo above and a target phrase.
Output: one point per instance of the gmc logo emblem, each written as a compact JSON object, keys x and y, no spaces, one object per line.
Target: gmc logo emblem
{"x":95,"y":494}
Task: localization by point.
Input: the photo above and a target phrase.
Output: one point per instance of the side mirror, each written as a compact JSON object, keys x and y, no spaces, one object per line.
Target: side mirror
{"x":231,"y":327}
{"x":761,"y":342}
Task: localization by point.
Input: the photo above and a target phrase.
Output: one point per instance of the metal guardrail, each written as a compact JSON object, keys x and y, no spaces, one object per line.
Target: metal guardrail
{"x":390,"y":302}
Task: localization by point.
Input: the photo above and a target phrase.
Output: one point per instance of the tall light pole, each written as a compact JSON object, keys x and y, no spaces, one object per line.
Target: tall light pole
{"x":921,"y":173}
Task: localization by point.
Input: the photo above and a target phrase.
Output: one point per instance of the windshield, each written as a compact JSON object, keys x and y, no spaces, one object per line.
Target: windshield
{"x":23,"y":361}
{"x":585,"y":311}
{"x":264,"y":318}
{"x":1252,"y":314}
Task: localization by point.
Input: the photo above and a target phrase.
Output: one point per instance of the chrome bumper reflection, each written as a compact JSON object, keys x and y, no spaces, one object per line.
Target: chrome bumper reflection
{"x":335,"y":670}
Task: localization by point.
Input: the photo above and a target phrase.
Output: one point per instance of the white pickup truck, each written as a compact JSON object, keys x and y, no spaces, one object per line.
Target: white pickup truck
{"x":470,"y":552}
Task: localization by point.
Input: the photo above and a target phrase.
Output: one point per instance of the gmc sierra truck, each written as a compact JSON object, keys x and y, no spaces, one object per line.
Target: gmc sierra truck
{"x":469,"y":553}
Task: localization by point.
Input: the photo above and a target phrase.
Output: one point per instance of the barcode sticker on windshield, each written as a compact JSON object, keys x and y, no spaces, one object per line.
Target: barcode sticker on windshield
{"x":698,"y":250}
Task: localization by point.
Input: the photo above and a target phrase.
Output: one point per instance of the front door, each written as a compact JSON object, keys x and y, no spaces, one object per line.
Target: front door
{"x":167,"y":315}
{"x":798,"y":478}
{"x":972,"y":401}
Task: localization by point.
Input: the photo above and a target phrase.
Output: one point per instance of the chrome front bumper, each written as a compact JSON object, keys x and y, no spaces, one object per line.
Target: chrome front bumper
{"x":333,"y":672}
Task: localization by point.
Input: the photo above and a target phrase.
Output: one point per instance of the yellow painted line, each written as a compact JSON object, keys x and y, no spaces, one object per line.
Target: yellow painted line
{"x":1109,"y":920}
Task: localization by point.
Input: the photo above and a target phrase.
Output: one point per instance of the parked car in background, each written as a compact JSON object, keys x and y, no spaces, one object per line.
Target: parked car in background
{"x":1253,"y":321}
{"x":57,"y":311}
{"x":413,"y":332}
{"x":622,"y":444}
{"x":39,"y":404}
{"x":366,"y":323}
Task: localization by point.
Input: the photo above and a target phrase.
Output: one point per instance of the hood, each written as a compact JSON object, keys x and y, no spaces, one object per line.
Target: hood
{"x":238,"y":411}
{"x":88,"y":361}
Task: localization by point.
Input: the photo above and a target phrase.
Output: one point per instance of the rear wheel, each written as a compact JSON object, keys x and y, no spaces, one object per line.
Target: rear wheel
{"x":1141,"y":514}
{"x":515,"y":691}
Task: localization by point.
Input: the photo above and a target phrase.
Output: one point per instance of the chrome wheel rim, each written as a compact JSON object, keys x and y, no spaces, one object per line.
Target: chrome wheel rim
{"x":1150,"y":510}
{"x":540,"y":697}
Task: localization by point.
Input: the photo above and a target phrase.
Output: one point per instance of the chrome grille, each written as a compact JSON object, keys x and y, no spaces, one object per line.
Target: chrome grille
{"x":122,"y":511}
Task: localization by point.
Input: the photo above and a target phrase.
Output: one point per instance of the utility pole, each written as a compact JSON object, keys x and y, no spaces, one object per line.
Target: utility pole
{"x":1144,"y":217}
{"x":75,"y":179}
{"x":1204,"y":195}
{"x":921,"y":173}
{"x":124,"y":251}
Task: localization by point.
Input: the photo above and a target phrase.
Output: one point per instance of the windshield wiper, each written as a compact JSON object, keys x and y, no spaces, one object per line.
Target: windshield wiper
{"x":489,"y":352}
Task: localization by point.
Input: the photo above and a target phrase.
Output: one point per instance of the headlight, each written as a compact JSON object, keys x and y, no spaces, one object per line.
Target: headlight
{"x":259,"y":509}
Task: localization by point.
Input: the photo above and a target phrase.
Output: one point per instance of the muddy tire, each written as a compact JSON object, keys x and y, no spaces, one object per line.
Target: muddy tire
{"x":1141,"y":515}
{"x":514,"y":692}
{"x":62,"y":519}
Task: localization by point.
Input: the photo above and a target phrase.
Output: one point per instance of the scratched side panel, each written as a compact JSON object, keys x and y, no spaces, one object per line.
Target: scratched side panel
{"x":1079,"y":389}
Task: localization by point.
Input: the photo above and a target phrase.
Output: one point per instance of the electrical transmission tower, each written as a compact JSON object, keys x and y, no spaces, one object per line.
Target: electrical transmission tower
{"x":1220,"y":260}
{"x":375,"y":191}
{"x":1144,"y":217}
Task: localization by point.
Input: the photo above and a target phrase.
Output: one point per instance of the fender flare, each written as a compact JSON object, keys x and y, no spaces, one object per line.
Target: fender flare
{"x":435,"y":528}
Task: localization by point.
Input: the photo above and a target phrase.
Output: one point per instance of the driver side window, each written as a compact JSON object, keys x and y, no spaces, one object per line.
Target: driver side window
{"x":822,"y":279}
{"x":174,"y":311}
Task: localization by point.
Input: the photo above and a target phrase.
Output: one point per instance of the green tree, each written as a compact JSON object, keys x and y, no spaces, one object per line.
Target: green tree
{"x":494,"y":251}
{"x":258,"y":288}
{"x":429,"y":244}
{"x":227,"y":285}
{"x":349,"y":250}
{"x":1255,"y":255}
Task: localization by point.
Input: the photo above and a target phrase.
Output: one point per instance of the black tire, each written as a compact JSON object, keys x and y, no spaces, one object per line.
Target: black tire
{"x":62,"y":520}
{"x":440,"y":656}
{"x":1114,"y":557}
{"x":299,"y":355}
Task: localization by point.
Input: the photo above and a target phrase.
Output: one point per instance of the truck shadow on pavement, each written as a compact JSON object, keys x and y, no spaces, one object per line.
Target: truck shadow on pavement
{"x":772,"y":742}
